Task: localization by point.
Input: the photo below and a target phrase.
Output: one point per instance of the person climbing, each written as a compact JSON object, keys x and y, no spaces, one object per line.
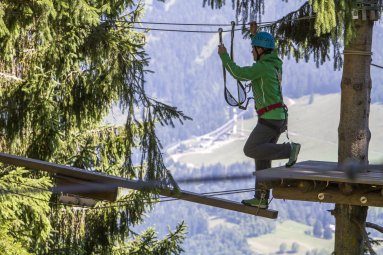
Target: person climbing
{"x":266,"y":77}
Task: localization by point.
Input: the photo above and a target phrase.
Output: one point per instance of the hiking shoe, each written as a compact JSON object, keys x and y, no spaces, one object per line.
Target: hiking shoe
{"x":255,"y":202}
{"x":295,"y":148}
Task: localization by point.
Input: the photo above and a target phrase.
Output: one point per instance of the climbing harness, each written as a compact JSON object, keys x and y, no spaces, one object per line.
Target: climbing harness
{"x":241,"y":89}
{"x":268,"y":108}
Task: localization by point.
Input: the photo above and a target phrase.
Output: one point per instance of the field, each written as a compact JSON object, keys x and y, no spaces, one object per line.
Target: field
{"x":283,"y":234}
{"x":313,"y":125}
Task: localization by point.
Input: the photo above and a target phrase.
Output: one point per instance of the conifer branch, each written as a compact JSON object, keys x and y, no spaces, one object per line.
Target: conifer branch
{"x":374,"y":226}
{"x":10,"y":77}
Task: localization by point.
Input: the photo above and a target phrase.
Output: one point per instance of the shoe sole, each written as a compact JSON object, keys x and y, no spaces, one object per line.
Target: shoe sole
{"x":293,"y":163}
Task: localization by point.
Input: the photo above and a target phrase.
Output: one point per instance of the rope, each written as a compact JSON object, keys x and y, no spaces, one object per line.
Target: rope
{"x":361,"y":53}
{"x":357,"y":52}
{"x":230,"y":100}
{"x":265,"y":23}
{"x":260,"y":24}
{"x":40,"y":199}
{"x":381,"y":67}
{"x":178,"y":30}
{"x":207,"y":194}
{"x":172,"y":23}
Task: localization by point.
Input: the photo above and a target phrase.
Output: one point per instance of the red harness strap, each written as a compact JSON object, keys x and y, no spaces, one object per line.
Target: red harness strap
{"x":268,"y":108}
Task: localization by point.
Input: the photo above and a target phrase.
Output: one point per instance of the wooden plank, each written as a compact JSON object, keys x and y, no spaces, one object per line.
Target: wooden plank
{"x":221,"y":203}
{"x":94,"y":190}
{"x":117,"y":181}
{"x":330,"y":195}
{"x":321,"y":171}
{"x":75,"y":200}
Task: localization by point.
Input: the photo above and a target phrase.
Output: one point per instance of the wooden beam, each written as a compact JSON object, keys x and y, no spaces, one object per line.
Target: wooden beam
{"x":323,"y":171}
{"x":94,"y":190}
{"x":74,"y":200}
{"x":220,"y":203}
{"x":116,"y":181}
{"x":330,"y":195}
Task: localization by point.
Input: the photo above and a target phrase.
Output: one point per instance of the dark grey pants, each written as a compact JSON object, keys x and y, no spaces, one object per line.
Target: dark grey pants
{"x":262,"y":146}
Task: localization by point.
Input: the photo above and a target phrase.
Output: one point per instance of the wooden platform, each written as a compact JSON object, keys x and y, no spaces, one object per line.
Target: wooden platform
{"x":320,"y":181}
{"x":111,"y":182}
{"x":322,"y":171}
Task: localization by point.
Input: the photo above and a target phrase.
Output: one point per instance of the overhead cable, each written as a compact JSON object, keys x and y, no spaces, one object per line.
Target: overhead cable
{"x":381,"y":67}
{"x":118,"y":203}
{"x":261,"y":24}
{"x":179,"y":30}
{"x":206,"y":24}
{"x":172,"y":23}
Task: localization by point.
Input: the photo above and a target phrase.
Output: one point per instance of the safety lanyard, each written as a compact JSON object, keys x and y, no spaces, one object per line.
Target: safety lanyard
{"x":241,"y":91}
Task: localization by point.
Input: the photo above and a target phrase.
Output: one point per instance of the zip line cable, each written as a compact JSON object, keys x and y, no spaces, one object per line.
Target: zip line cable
{"x":207,"y":194}
{"x":171,"y":23}
{"x":381,"y":67}
{"x":261,"y":25}
{"x":39,"y":199}
{"x":177,"y":30}
{"x":107,"y":23}
{"x":121,"y":202}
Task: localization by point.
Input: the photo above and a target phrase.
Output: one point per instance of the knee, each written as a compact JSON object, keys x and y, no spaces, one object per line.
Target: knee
{"x":251,"y":150}
{"x":246,"y":151}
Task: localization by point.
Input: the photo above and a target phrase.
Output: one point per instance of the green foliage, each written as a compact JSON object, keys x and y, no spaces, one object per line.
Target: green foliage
{"x":246,"y":10}
{"x":63,"y":64}
{"x":24,"y":222}
{"x":325,"y":20}
{"x":8,"y":244}
{"x":291,"y":40}
{"x":146,"y":243}
{"x":318,"y":229}
{"x":327,"y":233}
{"x":332,"y":26}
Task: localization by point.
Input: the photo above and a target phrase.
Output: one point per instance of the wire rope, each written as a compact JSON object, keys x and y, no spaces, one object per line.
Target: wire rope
{"x":178,"y":30}
{"x":378,"y":66}
{"x":120,"y":203}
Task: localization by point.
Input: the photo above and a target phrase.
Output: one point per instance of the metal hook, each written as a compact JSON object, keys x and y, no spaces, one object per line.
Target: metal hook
{"x":220,"y":30}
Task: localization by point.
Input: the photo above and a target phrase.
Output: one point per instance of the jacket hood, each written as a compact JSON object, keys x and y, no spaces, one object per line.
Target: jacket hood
{"x":272,"y":58}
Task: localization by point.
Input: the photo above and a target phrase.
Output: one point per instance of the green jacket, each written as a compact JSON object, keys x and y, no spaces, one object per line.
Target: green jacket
{"x":265,"y":76}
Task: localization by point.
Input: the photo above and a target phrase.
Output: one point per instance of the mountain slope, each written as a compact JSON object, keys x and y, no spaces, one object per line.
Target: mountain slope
{"x":314,"y":125}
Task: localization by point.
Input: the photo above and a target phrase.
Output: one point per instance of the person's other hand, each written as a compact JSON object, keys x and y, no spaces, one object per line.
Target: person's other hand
{"x":253,"y":27}
{"x":221,"y":49}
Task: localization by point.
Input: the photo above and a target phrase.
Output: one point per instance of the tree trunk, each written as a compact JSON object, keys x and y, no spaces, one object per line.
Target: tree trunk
{"x":353,"y":133}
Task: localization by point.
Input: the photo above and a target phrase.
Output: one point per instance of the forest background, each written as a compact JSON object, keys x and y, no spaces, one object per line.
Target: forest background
{"x":188,"y":74}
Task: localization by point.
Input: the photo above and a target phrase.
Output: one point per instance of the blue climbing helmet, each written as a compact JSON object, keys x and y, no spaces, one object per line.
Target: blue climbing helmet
{"x":263,"y":40}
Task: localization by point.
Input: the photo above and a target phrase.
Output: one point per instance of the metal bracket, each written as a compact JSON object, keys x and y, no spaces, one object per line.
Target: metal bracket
{"x":367,"y":10}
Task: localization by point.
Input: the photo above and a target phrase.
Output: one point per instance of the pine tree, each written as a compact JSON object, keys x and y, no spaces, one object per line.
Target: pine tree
{"x":318,"y":229}
{"x":327,"y":232}
{"x":63,"y":64}
{"x":332,"y":25}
